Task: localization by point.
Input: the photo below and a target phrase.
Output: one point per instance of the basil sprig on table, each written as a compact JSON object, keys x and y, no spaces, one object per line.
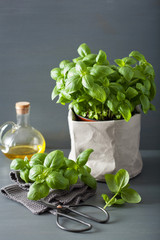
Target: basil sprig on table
{"x":53,"y":171}
{"x":98,"y":90}
{"x":118,"y":185}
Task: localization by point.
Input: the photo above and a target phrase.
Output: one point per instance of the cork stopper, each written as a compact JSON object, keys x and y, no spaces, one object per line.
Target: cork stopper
{"x":22,"y":107}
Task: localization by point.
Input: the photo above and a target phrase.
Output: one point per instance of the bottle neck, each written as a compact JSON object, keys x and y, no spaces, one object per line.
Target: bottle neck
{"x":23,"y":119}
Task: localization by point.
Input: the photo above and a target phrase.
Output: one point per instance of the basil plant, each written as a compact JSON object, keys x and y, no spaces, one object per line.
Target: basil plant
{"x":98,"y":90}
{"x":53,"y":171}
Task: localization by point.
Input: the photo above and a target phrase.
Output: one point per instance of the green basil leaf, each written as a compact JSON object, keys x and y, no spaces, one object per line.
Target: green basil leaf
{"x":90,"y":59}
{"x":101,"y":71}
{"x":105,"y":197}
{"x":119,"y":201}
{"x":63,"y":63}
{"x":124,"y":109}
{"x":129,"y":60}
{"x":70,"y":163}
{"x":152,"y":90}
{"x":89,"y":180}
{"x":101,"y":57}
{"x":145,"y":103}
{"x":54,"y":159}
{"x":55,"y":73}
{"x":127,"y":72}
{"x":35,"y":171}
{"x":68,"y":66}
{"x":56,"y":180}
{"x":37,"y":159}
{"x":131,"y":93}
{"x":87,"y":168}
{"x":149,"y":70}
{"x":24,"y":174}
{"x":75,"y":60}
{"x":120,"y":96}
{"x":97,"y":92}
{"x":81,"y":68}
{"x":73,"y":84}
{"x":17,"y":164}
{"x":72,"y":72}
{"x":83,"y":157}
{"x":138,"y":74}
{"x":137,"y":55}
{"x":111,"y":183}
{"x":121,"y":178}
{"x":55,"y":93}
{"x":115,"y":87}
{"x":38,"y":191}
{"x":72,"y":175}
{"x":83,"y":50}
{"x":87,"y":81}
{"x":119,"y":62}
{"x":130,"y":195}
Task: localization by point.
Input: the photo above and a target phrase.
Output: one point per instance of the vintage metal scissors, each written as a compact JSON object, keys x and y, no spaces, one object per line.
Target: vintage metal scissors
{"x":63,"y":211}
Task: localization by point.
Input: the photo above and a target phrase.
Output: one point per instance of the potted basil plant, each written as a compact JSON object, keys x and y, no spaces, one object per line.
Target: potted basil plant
{"x":108,"y":96}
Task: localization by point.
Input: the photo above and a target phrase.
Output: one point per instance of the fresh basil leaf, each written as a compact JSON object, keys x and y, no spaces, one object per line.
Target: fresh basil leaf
{"x":137,"y":55}
{"x":101,"y":71}
{"x":119,"y":62}
{"x":63,"y":63}
{"x":120,"y":96}
{"x":56,"y":180}
{"x":70,"y":163}
{"x":89,"y":181}
{"x":138,"y":74}
{"x":129,"y":60}
{"x":127,"y":72}
{"x":38,"y":191}
{"x":83,"y":157}
{"x":131,"y":93}
{"x":119,"y":201}
{"x":121,"y":178}
{"x":97,"y":93}
{"x":37,"y":159}
{"x":149,"y":70}
{"x":152,"y":107}
{"x":130,"y":195}
{"x":72,"y":72}
{"x":152,"y":90}
{"x":75,"y":60}
{"x":54,"y":159}
{"x":111,"y":183}
{"x":105,"y":197}
{"x":87,"y":81}
{"x":90,"y":59}
{"x":17,"y":164}
{"x":124,"y":109}
{"x":101,"y":57}
{"x":83,"y":50}
{"x":115,"y":87}
{"x":73,"y":84}
{"x":68,"y":66}
{"x":87,"y":168}
{"x":145,"y":103}
{"x":55,"y":73}
{"x":24,"y":174}
{"x":81,"y":68}
{"x":35,"y":171}
{"x":72,"y":175}
{"x":55,"y":93}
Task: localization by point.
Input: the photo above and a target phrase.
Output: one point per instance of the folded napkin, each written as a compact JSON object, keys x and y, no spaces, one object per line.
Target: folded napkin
{"x":77,"y":193}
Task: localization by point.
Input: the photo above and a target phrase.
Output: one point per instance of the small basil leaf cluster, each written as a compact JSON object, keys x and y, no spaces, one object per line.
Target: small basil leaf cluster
{"x":53,"y":171}
{"x":118,"y":185}
{"x":98,"y":90}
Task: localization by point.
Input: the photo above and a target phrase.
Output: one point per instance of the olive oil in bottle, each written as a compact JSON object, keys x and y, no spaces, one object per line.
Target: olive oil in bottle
{"x":22,"y":139}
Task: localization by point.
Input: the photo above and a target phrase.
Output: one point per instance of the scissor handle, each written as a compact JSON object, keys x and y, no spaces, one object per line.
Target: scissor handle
{"x":88,"y":216}
{"x":60,"y":214}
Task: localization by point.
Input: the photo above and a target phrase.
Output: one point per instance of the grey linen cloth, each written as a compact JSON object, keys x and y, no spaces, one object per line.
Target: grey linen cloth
{"x":77,"y":193}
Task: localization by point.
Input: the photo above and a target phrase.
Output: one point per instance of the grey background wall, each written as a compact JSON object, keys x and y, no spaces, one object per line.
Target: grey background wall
{"x":35,"y":35}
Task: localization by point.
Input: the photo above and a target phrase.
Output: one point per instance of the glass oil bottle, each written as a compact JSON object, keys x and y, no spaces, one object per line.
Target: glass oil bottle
{"x":22,"y":139}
